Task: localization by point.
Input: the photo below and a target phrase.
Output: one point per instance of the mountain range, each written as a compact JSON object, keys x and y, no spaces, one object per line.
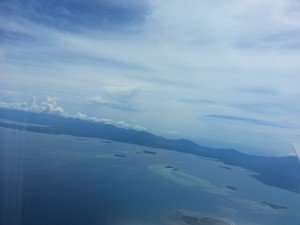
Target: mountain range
{"x":280,"y":172}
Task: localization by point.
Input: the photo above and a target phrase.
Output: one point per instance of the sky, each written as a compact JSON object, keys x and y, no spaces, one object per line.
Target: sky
{"x":221,"y":73}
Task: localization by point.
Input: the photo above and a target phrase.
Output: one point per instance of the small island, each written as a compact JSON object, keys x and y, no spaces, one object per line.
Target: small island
{"x":150,"y":152}
{"x":191,"y":218}
{"x":203,"y":221}
{"x":146,"y":152}
{"x":232,"y":188}
{"x":273,"y":206}
{"x":225,"y":167}
{"x":118,"y":155}
{"x":171,"y":167}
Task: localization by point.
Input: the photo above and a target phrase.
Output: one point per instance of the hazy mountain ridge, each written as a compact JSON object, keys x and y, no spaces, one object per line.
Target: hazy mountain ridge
{"x":280,"y":172}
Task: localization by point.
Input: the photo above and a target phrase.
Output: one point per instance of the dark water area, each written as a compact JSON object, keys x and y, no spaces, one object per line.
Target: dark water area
{"x":42,"y":186}
{"x":55,"y":179}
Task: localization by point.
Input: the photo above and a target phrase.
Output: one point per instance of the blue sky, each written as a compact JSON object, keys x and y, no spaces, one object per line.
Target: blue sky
{"x":221,"y":73}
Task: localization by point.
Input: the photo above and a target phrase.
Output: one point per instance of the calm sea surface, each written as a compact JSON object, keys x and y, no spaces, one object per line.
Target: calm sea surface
{"x":61,"y":180}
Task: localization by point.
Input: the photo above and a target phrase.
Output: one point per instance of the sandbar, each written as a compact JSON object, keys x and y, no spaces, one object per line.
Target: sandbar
{"x":182,"y":178}
{"x":181,"y":217}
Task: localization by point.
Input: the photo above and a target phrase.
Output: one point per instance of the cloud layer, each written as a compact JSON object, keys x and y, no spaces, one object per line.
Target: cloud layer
{"x":168,"y":65}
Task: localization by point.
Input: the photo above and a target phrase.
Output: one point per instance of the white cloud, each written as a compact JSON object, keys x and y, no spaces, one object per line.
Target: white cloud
{"x":120,"y":91}
{"x":15,"y":105}
{"x":183,"y":50}
{"x":80,"y":115}
{"x":223,"y":21}
{"x":32,"y":106}
{"x":118,"y":97}
{"x":50,"y":106}
{"x":98,"y":100}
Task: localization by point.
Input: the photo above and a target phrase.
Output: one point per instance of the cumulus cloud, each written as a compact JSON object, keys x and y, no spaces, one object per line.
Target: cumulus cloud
{"x":32,"y":106}
{"x":80,"y":115}
{"x":50,"y":106}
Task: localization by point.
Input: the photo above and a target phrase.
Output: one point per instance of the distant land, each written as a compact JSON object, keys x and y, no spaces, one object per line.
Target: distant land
{"x":281,"y":172}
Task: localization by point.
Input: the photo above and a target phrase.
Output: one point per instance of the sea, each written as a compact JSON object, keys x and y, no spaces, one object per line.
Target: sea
{"x":48,"y":179}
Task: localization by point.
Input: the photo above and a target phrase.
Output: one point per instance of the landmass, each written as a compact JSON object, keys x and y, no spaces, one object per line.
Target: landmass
{"x":150,"y":152}
{"x":181,"y":217}
{"x":273,"y":206}
{"x":122,"y":156}
{"x":147,"y":152}
{"x":171,"y":167}
{"x":225,"y":167}
{"x":278,"y":172}
{"x":232,"y":188}
{"x":261,"y":207}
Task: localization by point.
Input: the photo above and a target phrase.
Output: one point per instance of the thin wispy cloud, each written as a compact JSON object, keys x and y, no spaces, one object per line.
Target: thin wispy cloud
{"x":117,"y":97}
{"x":163,"y":64}
{"x":244,"y":120}
{"x":198,"y":101}
{"x":258,"y":91}
{"x":71,"y":15}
